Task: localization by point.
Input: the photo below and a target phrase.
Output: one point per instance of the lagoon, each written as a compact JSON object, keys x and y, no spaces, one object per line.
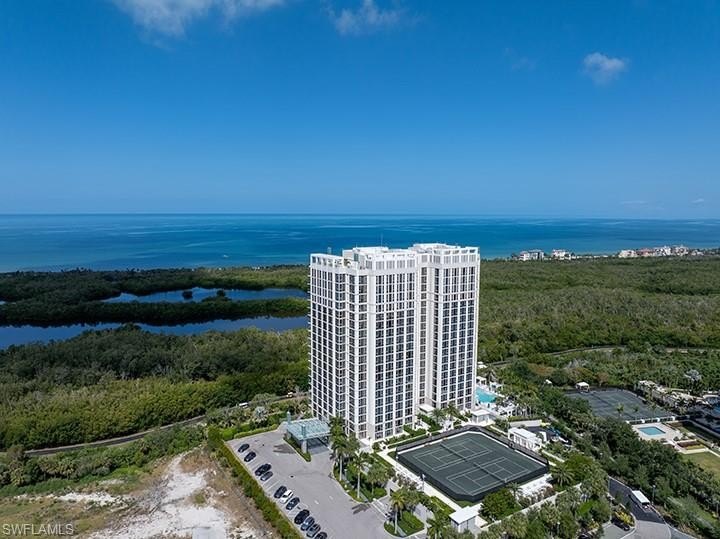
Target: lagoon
{"x":199,"y":294}
{"x":30,"y":334}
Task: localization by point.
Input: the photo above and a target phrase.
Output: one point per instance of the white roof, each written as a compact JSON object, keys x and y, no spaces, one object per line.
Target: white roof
{"x":426,"y":408}
{"x":464,"y":514}
{"x":523,"y":433}
{"x":640,"y":497}
{"x":582,"y":384}
{"x":480,"y":411}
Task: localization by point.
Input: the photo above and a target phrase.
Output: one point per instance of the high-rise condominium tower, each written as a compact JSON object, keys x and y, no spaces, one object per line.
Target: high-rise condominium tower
{"x":390,"y":330}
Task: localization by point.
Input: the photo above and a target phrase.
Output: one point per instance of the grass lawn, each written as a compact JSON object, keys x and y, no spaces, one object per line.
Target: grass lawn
{"x":707,"y":461}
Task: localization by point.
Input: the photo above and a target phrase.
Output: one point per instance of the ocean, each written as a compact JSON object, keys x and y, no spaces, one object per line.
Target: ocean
{"x":54,"y":242}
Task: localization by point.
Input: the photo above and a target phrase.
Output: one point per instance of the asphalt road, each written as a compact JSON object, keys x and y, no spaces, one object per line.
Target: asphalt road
{"x":649,"y":524}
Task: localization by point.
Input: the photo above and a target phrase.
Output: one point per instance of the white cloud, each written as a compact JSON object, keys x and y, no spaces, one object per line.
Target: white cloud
{"x":172,"y":17}
{"x":365,"y":19}
{"x":699,"y":201}
{"x":604,"y":69}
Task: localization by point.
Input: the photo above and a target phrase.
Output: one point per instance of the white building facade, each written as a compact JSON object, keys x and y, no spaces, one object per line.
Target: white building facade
{"x":391,"y":329}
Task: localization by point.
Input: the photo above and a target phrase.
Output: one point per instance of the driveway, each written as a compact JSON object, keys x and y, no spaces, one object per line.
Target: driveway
{"x":338,"y":514}
{"x":649,"y":524}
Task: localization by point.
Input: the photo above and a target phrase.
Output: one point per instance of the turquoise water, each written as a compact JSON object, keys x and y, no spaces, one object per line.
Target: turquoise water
{"x":651,"y":431}
{"x":200,"y":294}
{"x":149,"y":241}
{"x":484,"y":397}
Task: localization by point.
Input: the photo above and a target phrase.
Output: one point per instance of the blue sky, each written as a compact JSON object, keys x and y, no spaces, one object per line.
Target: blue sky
{"x":596,"y":109}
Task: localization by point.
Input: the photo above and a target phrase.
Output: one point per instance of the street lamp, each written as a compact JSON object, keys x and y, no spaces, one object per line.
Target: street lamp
{"x":653,"y":494}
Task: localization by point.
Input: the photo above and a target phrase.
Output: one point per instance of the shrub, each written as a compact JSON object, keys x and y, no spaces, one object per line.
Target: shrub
{"x":252,"y":489}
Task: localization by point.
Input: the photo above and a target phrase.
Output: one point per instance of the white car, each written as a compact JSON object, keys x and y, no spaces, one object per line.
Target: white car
{"x":286,"y":497}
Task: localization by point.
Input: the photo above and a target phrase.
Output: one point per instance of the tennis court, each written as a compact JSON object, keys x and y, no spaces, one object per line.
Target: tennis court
{"x":619,"y":403}
{"x":470,"y":465}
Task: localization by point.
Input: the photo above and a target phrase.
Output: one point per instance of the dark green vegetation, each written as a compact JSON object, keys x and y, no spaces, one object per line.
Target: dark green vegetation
{"x":581,"y":505}
{"x":48,"y":298}
{"x":251,"y":488}
{"x":621,"y":453}
{"x":564,"y":518}
{"x":114,"y":382}
{"x":21,"y":473}
{"x":624,"y":368}
{"x":529,"y":307}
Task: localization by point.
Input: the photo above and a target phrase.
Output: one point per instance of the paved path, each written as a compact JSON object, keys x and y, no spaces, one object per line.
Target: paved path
{"x":649,"y":524}
{"x":121,"y":440}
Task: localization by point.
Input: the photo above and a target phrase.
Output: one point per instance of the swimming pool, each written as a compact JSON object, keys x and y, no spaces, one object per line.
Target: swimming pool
{"x":484,"y":397}
{"x":651,"y":431}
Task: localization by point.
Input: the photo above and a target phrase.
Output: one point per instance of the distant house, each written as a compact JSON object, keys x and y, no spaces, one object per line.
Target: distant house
{"x":627,"y":253}
{"x":533,"y":254}
{"x":561,"y":254}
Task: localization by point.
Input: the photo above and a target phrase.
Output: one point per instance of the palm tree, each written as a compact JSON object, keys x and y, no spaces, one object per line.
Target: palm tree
{"x":438,"y":414}
{"x":337,"y":426}
{"x":339,"y":449}
{"x":378,"y":475}
{"x":516,"y":526}
{"x":514,"y":489}
{"x":619,"y":409}
{"x":561,"y":474}
{"x":397,"y":504}
{"x":436,"y":526}
{"x":360,"y":458}
{"x":351,"y":447}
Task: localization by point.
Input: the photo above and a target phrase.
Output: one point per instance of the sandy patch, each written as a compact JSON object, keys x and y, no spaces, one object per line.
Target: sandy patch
{"x":177,"y":505}
{"x":96,"y":498}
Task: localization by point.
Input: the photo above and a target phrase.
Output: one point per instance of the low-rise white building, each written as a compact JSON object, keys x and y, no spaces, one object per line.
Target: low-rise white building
{"x":561,"y":254}
{"x":533,"y":254}
{"x":525,"y":438}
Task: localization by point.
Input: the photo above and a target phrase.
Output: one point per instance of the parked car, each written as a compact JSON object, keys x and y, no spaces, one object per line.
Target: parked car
{"x":292,"y":503}
{"x":321,"y":535}
{"x":262,"y":469}
{"x":286,"y":496}
{"x":250,"y":456}
{"x":280,"y":492}
{"x":243,"y":448}
{"x":301,"y":516}
{"x":267,"y":475}
{"x":621,"y":524}
{"x":313,"y":530}
{"x":309,"y":521}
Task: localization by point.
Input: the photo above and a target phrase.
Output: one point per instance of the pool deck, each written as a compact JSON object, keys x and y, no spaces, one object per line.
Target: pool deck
{"x":667,"y":434}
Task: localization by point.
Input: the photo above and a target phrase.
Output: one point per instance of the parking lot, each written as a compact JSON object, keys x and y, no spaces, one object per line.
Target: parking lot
{"x":339,"y":515}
